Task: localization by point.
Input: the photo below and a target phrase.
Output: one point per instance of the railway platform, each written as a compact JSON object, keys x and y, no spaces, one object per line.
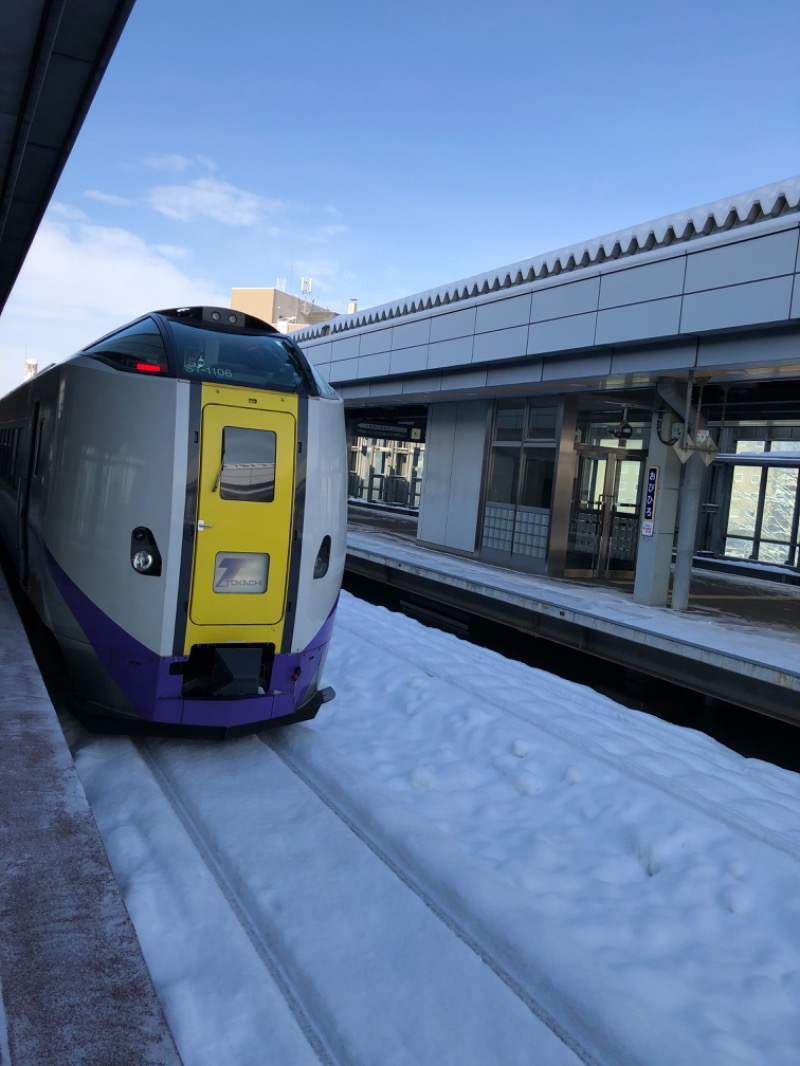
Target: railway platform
{"x":739,"y":640}
{"x":74,"y":987}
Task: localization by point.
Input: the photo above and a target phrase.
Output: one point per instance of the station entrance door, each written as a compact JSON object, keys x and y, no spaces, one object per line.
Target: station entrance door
{"x":604,"y":515}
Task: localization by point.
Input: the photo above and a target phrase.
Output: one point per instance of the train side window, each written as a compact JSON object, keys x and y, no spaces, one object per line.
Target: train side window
{"x":247,"y":470}
{"x":5,"y":454}
{"x":9,"y":447}
{"x":139,"y":348}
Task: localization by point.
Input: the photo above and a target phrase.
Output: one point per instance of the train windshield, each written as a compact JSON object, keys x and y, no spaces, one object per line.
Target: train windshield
{"x":139,"y":347}
{"x":267,"y":362}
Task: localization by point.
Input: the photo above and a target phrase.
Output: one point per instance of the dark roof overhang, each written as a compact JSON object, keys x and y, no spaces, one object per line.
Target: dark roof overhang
{"x":53,"y":54}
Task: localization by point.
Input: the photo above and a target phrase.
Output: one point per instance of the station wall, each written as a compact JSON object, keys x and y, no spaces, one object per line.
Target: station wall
{"x":456,"y":441}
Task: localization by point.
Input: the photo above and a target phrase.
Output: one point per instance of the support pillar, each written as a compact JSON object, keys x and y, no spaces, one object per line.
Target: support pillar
{"x":561,"y":505}
{"x":687,"y":531}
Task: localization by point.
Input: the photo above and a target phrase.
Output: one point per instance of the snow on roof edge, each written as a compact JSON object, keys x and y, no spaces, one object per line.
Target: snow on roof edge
{"x":746,"y":208}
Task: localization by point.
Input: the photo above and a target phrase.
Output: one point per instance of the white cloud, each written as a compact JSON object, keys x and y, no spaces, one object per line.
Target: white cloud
{"x":82,"y":280}
{"x":171,"y":251}
{"x":212,"y":199}
{"x":178,"y":164}
{"x":326,"y":233}
{"x":66,"y":212}
{"x":108,"y":198}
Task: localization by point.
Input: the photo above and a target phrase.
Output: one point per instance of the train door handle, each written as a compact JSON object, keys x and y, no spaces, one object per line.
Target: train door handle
{"x":201,"y":525}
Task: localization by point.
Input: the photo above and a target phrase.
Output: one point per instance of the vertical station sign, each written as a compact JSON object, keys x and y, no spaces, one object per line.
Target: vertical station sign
{"x":650,"y":501}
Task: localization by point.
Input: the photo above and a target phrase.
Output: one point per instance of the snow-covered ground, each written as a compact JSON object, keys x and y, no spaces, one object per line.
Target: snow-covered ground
{"x":461,"y":860}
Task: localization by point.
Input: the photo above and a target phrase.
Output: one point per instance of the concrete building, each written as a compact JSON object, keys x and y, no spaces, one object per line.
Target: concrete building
{"x":280,"y":309}
{"x":578,"y":408}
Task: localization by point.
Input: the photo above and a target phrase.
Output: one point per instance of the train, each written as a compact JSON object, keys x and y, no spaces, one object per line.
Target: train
{"x":173,"y":504}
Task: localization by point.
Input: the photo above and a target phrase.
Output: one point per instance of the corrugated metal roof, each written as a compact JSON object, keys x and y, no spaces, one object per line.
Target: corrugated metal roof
{"x":744,"y":209}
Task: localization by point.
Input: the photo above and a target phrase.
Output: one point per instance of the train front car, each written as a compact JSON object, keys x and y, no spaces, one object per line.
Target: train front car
{"x":194,"y":534}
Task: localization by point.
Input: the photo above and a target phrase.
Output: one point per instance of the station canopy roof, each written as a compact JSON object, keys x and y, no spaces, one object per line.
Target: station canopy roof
{"x":53,"y":54}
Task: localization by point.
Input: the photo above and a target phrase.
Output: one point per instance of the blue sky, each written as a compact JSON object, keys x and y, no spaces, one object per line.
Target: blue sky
{"x":385,"y":149}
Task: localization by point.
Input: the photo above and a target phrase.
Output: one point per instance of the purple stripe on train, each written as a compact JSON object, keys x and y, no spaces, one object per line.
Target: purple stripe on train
{"x":154,"y":693}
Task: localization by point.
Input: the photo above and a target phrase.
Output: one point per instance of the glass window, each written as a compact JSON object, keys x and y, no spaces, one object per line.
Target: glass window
{"x":267,"y":362}
{"x":598,"y":430}
{"x":325,"y":389}
{"x":503,"y":479}
{"x":247,"y":471}
{"x":591,"y":479}
{"x":140,"y":347}
{"x":774,"y":554}
{"x":743,"y":509}
{"x":779,"y":505}
{"x":542,"y":423}
{"x":755,"y":503}
{"x":629,"y":474}
{"x":737,"y":548}
{"x":749,"y":446}
{"x":537,"y":477}
{"x":510,"y":420}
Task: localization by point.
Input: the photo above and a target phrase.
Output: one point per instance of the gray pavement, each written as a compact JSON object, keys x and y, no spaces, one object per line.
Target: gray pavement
{"x":74,"y":987}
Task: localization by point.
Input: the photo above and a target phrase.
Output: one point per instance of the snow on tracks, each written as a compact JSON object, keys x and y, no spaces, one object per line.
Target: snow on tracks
{"x":301,"y":940}
{"x":630,"y":742}
{"x":216,"y":985}
{"x":661,"y":853}
{"x":574,"y":994}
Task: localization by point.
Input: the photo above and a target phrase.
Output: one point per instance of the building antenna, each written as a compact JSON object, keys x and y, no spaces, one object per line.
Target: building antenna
{"x":305,"y":288}
{"x":291,"y":273}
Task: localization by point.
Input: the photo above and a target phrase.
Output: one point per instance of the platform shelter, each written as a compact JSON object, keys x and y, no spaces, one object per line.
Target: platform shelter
{"x":606,"y":409}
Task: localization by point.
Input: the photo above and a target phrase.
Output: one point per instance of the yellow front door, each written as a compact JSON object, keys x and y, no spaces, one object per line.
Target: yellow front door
{"x":244,"y":516}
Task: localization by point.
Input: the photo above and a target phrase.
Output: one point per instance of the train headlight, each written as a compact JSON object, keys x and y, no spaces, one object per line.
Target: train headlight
{"x":322,"y":562}
{"x":145,"y":556}
{"x":142,"y":562}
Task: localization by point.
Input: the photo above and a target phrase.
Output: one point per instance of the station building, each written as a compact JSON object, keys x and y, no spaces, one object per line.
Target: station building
{"x":592,"y":411}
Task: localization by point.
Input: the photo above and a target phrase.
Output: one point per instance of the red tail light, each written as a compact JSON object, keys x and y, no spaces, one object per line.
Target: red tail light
{"x":149,"y":368}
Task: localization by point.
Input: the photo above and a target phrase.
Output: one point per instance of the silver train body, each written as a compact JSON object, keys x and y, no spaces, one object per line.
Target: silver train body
{"x":173,"y":501}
